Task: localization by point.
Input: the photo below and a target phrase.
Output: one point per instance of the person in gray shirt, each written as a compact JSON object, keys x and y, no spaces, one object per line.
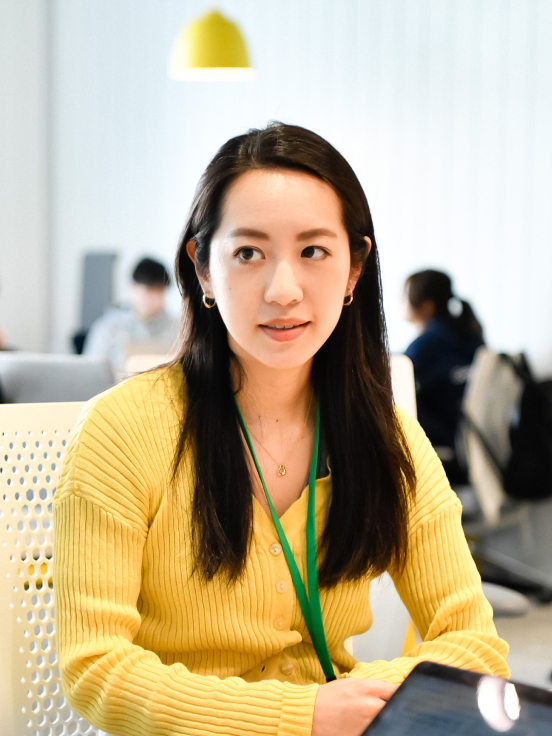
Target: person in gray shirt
{"x":121,"y":331}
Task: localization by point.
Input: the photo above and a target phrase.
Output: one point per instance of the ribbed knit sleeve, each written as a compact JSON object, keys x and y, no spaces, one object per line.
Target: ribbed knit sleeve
{"x":440,"y":585}
{"x":111,"y":488}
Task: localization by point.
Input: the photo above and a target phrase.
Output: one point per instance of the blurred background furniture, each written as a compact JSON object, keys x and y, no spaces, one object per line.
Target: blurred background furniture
{"x":140,"y":363}
{"x":144,"y":356}
{"x":33,"y":443}
{"x":390,"y":628}
{"x":97,"y":292}
{"x":37,"y":377}
{"x":506,"y":603}
{"x":402,"y":379}
{"x":388,"y":637}
{"x":490,"y":402}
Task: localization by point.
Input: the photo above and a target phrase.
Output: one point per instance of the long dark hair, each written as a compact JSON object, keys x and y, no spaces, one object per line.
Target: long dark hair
{"x":436,"y":286}
{"x":372,"y":472}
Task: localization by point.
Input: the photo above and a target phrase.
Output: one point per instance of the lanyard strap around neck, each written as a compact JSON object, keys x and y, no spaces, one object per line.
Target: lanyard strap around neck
{"x":310,"y":606}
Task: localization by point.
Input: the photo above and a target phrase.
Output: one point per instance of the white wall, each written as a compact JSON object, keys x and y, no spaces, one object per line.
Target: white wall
{"x":444,"y":108}
{"x":24,"y":266}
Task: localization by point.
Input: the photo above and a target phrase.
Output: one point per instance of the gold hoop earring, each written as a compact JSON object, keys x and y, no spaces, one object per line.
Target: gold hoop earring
{"x":348,"y":299}
{"x":205,"y":302}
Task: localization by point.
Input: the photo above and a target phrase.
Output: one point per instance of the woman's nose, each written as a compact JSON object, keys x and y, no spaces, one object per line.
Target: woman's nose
{"x":283,"y":286}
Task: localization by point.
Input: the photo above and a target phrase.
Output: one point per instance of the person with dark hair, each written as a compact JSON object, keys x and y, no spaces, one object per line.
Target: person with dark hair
{"x":146,"y":322}
{"x":442,"y":354}
{"x":219,"y":521}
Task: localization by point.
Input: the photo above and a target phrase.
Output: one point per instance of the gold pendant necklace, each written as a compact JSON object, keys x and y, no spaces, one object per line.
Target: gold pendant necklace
{"x":282,"y":470}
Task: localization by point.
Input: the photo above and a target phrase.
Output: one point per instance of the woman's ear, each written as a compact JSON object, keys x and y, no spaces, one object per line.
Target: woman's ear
{"x":355,"y":272}
{"x":190,"y":249}
{"x":202,"y":277}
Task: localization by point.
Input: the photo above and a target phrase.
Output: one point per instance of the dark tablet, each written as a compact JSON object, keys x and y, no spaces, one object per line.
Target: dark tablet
{"x":435,"y":700}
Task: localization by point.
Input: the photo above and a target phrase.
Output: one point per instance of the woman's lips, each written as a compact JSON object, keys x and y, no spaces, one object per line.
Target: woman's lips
{"x":280,"y":335}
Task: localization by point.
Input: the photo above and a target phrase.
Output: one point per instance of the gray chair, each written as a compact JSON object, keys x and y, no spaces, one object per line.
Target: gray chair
{"x":490,"y":401}
{"x":28,"y":378}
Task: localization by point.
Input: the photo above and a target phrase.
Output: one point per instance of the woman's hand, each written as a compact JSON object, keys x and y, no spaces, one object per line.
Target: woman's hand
{"x":346,"y":707}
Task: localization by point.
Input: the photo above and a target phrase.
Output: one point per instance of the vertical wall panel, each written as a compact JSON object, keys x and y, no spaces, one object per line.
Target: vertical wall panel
{"x":442,"y":107}
{"x":24,"y":269}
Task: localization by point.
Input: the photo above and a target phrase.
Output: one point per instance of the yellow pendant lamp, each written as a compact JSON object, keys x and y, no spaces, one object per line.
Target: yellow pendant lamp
{"x":210,"y":48}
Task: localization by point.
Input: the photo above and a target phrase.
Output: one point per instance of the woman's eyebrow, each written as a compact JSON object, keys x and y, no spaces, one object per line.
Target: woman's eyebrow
{"x":317,"y":232}
{"x":249,"y":232}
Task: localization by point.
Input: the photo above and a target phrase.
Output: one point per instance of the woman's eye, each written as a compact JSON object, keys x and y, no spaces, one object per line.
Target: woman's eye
{"x":248,"y":255}
{"x":313,"y":251}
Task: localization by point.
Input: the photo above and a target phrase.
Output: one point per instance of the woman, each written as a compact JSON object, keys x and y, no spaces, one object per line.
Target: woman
{"x":442,"y":354}
{"x":179,"y":600}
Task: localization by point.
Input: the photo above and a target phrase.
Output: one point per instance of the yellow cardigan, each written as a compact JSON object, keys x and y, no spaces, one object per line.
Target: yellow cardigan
{"x":148,"y":648}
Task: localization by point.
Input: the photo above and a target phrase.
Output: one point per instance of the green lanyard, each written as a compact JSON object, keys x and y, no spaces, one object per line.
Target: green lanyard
{"x":310,"y":606}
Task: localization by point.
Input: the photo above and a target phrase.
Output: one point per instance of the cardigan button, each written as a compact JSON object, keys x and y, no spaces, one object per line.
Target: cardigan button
{"x":279,"y":624}
{"x":281,"y":586}
{"x":287,"y":669}
{"x":275,"y":549}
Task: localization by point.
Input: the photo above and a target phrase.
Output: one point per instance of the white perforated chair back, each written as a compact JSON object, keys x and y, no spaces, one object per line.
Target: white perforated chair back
{"x":33,"y":443}
{"x":491,"y":398}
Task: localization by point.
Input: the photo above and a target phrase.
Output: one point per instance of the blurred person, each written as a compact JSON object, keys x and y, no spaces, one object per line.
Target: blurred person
{"x":442,"y":354}
{"x":146,"y":321}
{"x":181,"y":599}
